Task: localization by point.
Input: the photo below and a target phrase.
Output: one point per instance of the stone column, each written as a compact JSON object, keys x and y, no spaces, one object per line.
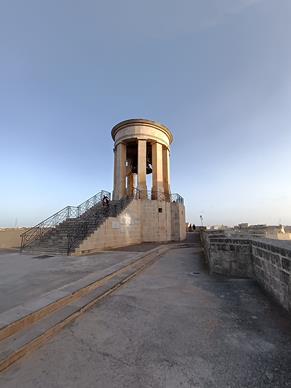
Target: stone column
{"x":141,"y":166}
{"x":120,"y":171}
{"x":130,"y":184}
{"x":157,"y":156}
{"x":166,"y":170}
{"x":115,"y":174}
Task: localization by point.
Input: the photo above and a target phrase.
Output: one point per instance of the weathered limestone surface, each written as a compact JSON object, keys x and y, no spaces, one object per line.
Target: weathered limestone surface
{"x":166,"y":169}
{"x":272,"y":269}
{"x":142,"y":177}
{"x":231,"y":257}
{"x":141,"y":221}
{"x":142,"y":129}
{"x":267,"y":261}
{"x":120,"y":170}
{"x":11,"y":237}
{"x":158,"y":180}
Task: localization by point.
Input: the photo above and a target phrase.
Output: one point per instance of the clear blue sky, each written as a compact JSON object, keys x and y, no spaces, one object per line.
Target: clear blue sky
{"x":216,"y":72}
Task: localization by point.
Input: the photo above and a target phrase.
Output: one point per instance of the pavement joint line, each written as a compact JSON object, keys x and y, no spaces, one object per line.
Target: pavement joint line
{"x":47,"y":334}
{"x":12,"y":327}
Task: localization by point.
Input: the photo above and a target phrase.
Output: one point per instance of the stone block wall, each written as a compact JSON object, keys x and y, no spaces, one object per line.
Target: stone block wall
{"x":141,"y":221}
{"x":267,"y":261}
{"x":230,"y":257}
{"x":178,"y":225}
{"x":11,"y":237}
{"x":116,"y":231}
{"x":156,"y":221}
{"x":272,"y":269}
{"x":206,"y":237}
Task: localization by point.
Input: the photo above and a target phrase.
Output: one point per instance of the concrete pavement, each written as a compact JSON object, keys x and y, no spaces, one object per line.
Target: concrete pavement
{"x":24,"y":277}
{"x":172,"y":326}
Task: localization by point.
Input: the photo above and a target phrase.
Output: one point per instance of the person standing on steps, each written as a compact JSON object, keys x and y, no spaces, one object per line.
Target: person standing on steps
{"x":105,"y":201}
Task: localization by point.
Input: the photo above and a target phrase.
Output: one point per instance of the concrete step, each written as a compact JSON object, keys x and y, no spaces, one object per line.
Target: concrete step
{"x":43,"y":247}
{"x":43,"y":251}
{"x":36,"y":327}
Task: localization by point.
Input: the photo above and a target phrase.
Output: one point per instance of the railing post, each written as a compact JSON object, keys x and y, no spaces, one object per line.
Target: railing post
{"x":21,"y":246}
{"x":68,"y":246}
{"x":39,"y":230}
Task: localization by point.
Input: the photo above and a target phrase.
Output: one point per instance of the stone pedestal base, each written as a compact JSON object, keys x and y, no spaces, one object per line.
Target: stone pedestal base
{"x":142,"y":221}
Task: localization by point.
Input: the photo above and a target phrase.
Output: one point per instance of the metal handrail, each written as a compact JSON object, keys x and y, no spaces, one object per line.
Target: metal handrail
{"x":89,"y":223}
{"x":157,"y":195}
{"x":69,"y":212}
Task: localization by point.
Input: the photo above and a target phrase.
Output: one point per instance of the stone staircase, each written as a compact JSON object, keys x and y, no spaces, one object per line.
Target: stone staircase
{"x":67,"y":235}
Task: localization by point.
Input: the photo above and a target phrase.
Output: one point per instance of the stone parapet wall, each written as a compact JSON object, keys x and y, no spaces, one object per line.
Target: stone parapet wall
{"x":267,"y":261}
{"x":272,"y":269}
{"x":230,"y":257}
{"x":206,"y":237}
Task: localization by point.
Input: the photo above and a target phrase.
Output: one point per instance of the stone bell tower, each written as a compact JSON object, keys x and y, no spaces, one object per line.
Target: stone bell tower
{"x":141,"y":147}
{"x":140,"y":213}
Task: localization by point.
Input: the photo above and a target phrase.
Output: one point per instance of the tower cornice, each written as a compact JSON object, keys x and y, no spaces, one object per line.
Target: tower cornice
{"x":144,"y":122}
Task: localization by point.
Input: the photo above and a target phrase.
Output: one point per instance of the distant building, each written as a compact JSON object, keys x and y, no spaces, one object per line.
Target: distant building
{"x":275,"y":232}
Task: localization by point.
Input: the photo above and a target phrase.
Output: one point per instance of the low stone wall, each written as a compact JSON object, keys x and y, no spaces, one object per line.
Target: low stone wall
{"x":10,"y":237}
{"x":206,"y":238}
{"x":272,"y":269}
{"x":230,"y":257}
{"x":267,"y":261}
